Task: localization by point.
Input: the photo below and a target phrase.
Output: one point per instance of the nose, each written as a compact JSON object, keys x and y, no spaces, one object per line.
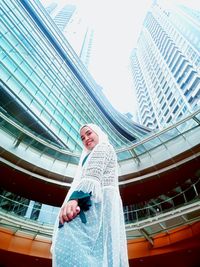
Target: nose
{"x":86,"y":138}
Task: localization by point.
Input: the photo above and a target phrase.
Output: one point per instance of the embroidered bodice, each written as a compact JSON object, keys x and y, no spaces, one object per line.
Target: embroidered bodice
{"x":101,"y":166}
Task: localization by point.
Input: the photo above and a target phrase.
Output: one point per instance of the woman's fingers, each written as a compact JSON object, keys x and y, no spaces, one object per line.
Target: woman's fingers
{"x":74,"y":211}
{"x":61,"y":219}
{"x":78,"y":209}
{"x":69,"y":211}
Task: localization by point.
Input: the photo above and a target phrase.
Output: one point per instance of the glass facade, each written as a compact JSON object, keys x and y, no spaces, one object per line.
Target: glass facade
{"x":43,"y":85}
{"x":166,"y":65}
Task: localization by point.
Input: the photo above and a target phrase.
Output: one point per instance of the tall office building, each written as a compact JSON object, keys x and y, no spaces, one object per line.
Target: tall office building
{"x":78,"y":33}
{"x":86,"y":47}
{"x":50,"y":9}
{"x":166,"y":64}
{"x":63,"y":16}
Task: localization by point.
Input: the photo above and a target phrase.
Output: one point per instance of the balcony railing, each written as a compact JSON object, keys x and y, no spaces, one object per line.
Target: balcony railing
{"x":185,"y":125}
{"x":162,"y":204}
{"x":45,"y":214}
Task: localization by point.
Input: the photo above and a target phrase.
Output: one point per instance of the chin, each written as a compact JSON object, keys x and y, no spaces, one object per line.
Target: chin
{"x":90,"y":147}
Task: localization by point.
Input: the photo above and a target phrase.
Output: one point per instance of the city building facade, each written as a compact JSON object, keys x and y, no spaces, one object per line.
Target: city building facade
{"x":166,"y":64}
{"x":75,"y":28}
{"x":44,"y":85}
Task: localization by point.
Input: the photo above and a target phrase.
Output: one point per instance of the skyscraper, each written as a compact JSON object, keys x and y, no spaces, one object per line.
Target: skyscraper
{"x":166,"y":64}
{"x":63,"y":16}
{"x":78,"y":33}
{"x":50,"y":9}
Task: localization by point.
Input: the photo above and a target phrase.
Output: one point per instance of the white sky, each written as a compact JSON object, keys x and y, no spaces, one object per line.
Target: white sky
{"x":117,"y":26}
{"x":118,"y":23}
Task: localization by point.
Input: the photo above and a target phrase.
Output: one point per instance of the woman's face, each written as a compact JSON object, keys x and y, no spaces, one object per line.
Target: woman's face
{"x":89,"y":138}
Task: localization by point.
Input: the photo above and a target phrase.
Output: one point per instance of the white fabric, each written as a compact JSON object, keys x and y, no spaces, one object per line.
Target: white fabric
{"x":101,"y":242}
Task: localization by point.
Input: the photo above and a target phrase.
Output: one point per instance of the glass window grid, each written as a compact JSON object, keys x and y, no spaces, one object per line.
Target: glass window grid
{"x":43,"y":148}
{"x":13,"y":84}
{"x":5,"y":73}
{"x":76,"y":99}
{"x":178,"y":67}
{"x":28,"y":98}
{"x":173,"y":58}
{"x":173,"y":133}
{"x":176,"y":64}
{"x":170,"y":54}
{"x":12,"y":64}
{"x":9,"y":63}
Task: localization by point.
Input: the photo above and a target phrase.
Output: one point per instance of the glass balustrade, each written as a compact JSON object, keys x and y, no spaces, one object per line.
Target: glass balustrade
{"x":42,"y":213}
{"x":181,"y":129}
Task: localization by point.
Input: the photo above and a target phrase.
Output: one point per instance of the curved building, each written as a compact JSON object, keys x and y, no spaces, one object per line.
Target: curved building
{"x":44,"y":85}
{"x":46,"y":95}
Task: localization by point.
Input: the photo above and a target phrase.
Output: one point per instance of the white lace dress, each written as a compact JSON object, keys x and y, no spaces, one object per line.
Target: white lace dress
{"x":101,"y":241}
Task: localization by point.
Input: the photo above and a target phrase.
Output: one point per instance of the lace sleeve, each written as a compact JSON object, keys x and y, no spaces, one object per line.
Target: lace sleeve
{"x":93,"y":171}
{"x":96,"y":164}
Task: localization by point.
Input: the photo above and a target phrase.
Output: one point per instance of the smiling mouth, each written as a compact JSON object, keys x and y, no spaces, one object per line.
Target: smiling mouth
{"x":88,"y":143}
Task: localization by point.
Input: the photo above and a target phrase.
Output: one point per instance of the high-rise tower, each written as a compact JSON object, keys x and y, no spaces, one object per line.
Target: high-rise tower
{"x":78,"y":33}
{"x":50,"y":9}
{"x":64,"y":15}
{"x":166,"y":64}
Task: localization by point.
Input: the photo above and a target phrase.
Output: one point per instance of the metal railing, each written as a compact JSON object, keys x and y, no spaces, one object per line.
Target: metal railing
{"x":158,"y":206}
{"x":16,"y":205}
{"x":135,"y":151}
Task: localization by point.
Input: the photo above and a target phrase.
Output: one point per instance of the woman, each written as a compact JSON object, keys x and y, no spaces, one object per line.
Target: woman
{"x":91,"y":230}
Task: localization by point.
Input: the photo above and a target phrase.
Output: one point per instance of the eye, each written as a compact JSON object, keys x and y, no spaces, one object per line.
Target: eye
{"x":89,"y":133}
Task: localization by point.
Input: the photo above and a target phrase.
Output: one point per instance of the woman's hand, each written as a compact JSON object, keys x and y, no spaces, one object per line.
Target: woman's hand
{"x":69,"y":211}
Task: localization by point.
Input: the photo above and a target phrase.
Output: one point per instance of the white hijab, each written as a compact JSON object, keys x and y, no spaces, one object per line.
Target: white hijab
{"x":103,"y":138}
